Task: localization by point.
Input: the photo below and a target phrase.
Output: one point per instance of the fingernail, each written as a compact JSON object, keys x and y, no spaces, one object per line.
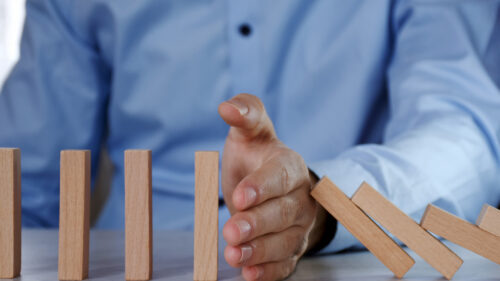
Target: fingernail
{"x":250,"y":196}
{"x":244,"y":228}
{"x":242,"y":108}
{"x":246,"y":253}
{"x":259,"y":271}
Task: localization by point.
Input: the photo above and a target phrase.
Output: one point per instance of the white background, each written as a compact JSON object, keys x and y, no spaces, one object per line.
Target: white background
{"x":11,"y":24}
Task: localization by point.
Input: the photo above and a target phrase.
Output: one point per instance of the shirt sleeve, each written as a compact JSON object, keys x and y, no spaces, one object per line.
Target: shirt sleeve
{"x":54,"y":99}
{"x":441,"y":144}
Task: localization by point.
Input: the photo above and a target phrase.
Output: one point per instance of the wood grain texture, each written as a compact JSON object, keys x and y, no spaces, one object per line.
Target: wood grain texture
{"x":489,"y":219}
{"x":206,"y":215}
{"x":461,"y":232}
{"x":10,"y":212}
{"x":138,"y":215}
{"x":362,"y":227}
{"x":407,"y":230}
{"x":74,"y":215}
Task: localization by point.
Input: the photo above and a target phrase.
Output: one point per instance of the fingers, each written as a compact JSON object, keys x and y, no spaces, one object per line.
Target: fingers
{"x":268,"y":248}
{"x":247,"y":117}
{"x":268,"y":188}
{"x":277,"y":177}
{"x":270,"y":271}
{"x":274,"y":215}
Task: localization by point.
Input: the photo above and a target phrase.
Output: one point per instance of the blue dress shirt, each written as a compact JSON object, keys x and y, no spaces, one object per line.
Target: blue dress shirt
{"x":396,"y":93}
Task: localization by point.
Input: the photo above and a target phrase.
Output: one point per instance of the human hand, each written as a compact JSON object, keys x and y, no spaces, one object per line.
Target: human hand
{"x":266,"y":187}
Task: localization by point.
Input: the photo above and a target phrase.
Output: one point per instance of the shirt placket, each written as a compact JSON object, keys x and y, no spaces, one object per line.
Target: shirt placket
{"x":243,"y":39}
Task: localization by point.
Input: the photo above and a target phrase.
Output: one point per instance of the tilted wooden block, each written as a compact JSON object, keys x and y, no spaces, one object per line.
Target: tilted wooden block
{"x":407,"y":230}
{"x":74,"y":215}
{"x":206,"y":215}
{"x":138,"y":215}
{"x":10,"y":212}
{"x":461,"y":233}
{"x":362,"y":227}
{"x":489,"y":219}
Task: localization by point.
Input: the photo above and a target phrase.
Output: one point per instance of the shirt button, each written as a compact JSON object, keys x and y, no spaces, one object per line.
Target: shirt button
{"x":245,"y":29}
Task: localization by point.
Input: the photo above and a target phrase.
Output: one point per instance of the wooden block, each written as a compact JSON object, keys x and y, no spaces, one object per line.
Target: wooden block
{"x":461,"y":233}
{"x":138,"y":215}
{"x":407,"y":230}
{"x":362,"y":227}
{"x":206,"y":215}
{"x":10,"y":212}
{"x":489,"y":219}
{"x":74,"y":215}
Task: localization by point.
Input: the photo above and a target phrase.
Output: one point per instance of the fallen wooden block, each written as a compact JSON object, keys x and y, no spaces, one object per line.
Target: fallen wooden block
{"x":362,"y":227}
{"x":74,"y":215}
{"x":10,"y":212}
{"x":461,"y":233}
{"x":206,"y":218}
{"x":407,"y":230}
{"x":138,"y":215}
{"x":489,"y":219}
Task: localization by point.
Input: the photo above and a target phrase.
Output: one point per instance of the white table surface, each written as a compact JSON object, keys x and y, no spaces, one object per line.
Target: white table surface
{"x":173,"y":260}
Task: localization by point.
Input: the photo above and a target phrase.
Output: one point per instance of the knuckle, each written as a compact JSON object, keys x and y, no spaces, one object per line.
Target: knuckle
{"x":292,"y":243}
{"x":288,"y":210}
{"x":287,"y":268}
{"x":301,"y":169}
{"x":301,"y":211}
{"x":295,"y":242}
{"x":294,"y":173}
{"x":306,"y":208}
{"x":284,"y":180}
{"x":301,"y":247}
{"x":296,"y":209}
{"x":300,"y":241}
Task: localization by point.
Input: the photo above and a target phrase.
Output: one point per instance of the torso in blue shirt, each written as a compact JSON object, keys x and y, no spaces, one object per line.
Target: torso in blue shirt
{"x":317,"y":66}
{"x":151,"y":74}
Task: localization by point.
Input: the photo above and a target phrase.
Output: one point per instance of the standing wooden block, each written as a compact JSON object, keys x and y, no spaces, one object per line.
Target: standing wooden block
{"x":138,"y":215}
{"x":206,"y":215}
{"x":489,"y":219}
{"x":74,"y":215}
{"x":10,"y":212}
{"x":461,"y":232}
{"x":362,"y":227}
{"x":407,"y":230}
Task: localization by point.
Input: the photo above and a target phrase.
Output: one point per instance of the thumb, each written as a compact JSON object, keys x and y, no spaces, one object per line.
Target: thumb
{"x":247,"y":117}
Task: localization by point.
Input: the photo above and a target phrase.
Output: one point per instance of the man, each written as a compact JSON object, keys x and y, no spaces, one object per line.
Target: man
{"x":395,"y":93}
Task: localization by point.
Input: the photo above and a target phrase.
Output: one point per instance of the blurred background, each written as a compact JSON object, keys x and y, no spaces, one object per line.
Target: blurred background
{"x":11,"y":24}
